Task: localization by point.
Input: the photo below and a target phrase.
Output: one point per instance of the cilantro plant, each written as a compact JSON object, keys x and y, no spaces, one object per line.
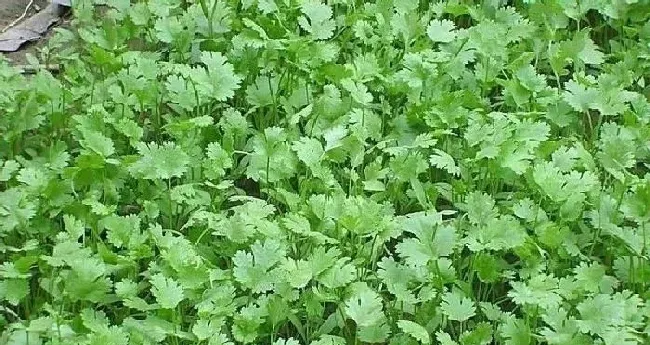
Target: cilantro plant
{"x":330,"y":172}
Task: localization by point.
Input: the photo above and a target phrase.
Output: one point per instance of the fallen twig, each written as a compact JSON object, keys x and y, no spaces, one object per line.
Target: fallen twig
{"x":32,"y":69}
{"x":12,"y":24}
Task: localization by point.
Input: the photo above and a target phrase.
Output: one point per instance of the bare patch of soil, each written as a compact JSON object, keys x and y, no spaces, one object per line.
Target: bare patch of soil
{"x":10,"y":10}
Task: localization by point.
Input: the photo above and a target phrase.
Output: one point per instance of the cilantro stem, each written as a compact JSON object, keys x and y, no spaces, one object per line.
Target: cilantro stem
{"x":273,"y":97}
{"x":644,"y":252}
{"x":169,"y":197}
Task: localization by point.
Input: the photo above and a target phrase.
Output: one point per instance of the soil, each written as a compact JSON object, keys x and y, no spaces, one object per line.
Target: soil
{"x":12,"y":9}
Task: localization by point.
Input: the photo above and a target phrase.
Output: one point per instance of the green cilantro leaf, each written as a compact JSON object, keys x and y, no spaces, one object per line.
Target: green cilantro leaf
{"x":415,"y":330}
{"x":441,"y":30}
{"x":457,"y":307}
{"x":364,"y":306}
{"x":252,"y":270}
{"x":317,"y":20}
{"x":167,"y":291}
{"x":160,"y":161}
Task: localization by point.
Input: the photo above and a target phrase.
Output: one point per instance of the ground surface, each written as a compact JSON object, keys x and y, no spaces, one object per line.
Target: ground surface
{"x":12,"y":9}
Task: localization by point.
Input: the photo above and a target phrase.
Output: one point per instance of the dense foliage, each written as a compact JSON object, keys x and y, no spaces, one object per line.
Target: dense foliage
{"x":330,"y":172}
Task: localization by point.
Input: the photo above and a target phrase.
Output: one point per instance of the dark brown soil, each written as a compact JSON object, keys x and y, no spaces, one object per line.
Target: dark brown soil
{"x":12,"y":9}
